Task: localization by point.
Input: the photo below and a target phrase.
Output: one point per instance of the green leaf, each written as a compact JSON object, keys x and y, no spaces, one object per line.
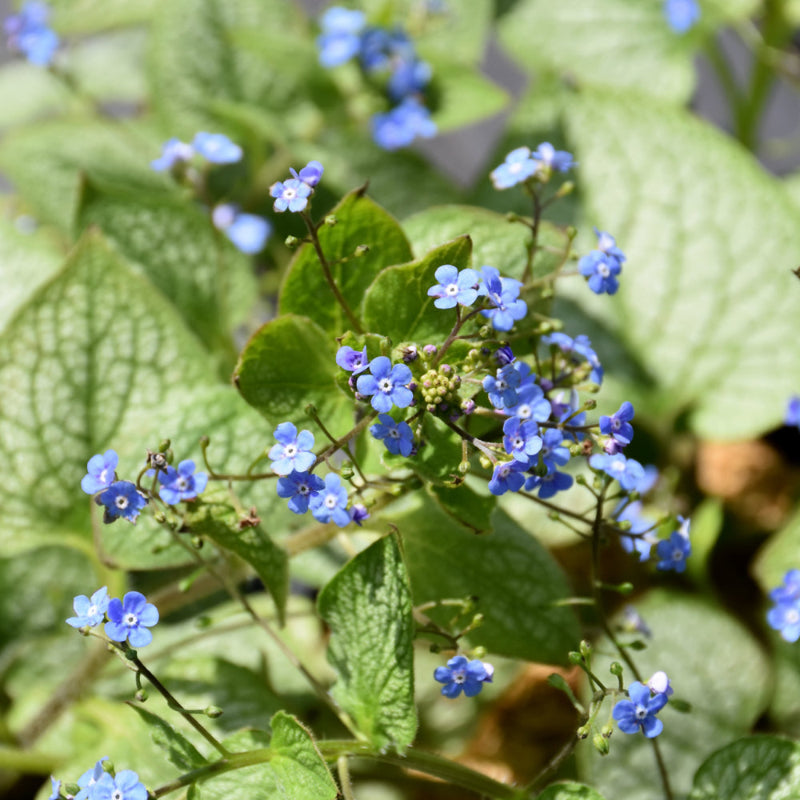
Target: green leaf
{"x":360,"y":221}
{"x":28,"y":92}
{"x":368,"y":607}
{"x":464,"y":97}
{"x":288,"y":364}
{"x":514,"y":578}
{"x":439,"y":453}
{"x":397,"y":304}
{"x":696,"y":215}
{"x":569,"y":791}
{"x":293,"y":768}
{"x":179,"y":750}
{"x":468,"y":508}
{"x":778,"y":555}
{"x":91,"y":16}
{"x":691,"y":639}
{"x":91,"y":345}
{"x":456,"y":35}
{"x":755,"y":768}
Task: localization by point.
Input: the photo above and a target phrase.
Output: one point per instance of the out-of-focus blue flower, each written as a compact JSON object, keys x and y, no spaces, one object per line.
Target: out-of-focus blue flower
{"x":382,"y":49}
{"x":397,"y":436}
{"x":408,"y":77}
{"x":310,"y":174}
{"x":352,"y":360}
{"x":639,"y":713}
{"x":638,"y":542}
{"x":100,"y":472}
{"x":290,"y":195}
{"x":681,"y":15}
{"x":87,"y":781}
{"x":792,"y":417}
{"x":517,"y":168}
{"x":601,"y":272}
{"x":89,"y":611}
{"x":125,"y":785}
{"x":549,"y":484}
{"x":299,"y":487}
{"x":55,"y":791}
{"x":625,"y":470}
{"x":503,"y":294}
{"x":388,"y":385}
{"x":216,"y":148}
{"x":173,"y":152}
{"x":454,"y":287}
{"x":548,"y":158}
{"x":618,"y":424}
{"x":521,"y":440}
{"x":578,"y":348}
{"x":130,"y":619}
{"x":785,"y":615}
{"x":330,"y":504}
{"x":121,"y":499}
{"x":508,"y":476}
{"x":404,"y":123}
{"x":461,"y":675}
{"x":293,"y":451}
{"x":27,"y":33}
{"x":607,"y":244}
{"x":633,"y":622}
{"x":182,"y":483}
{"x":340,"y":39}
{"x":790,"y":591}
{"x":248,"y":232}
{"x":674,"y":551}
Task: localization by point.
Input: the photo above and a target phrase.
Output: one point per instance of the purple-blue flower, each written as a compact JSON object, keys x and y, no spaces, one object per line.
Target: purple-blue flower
{"x":125,"y":785}
{"x":549,"y":158}
{"x":89,"y":611}
{"x":502,"y":387}
{"x":87,"y":781}
{"x":216,"y":148}
{"x":503,"y":294}
{"x":790,"y":591}
{"x":636,"y":541}
{"x":340,"y":39}
{"x":100,"y":472}
{"x":792,"y":418}
{"x":310,"y":174}
{"x":784,"y":616}
{"x":173,"y":152}
{"x":549,"y":484}
{"x":121,"y":499}
{"x":659,"y":683}
{"x":299,"y":487}
{"x":673,"y":552}
{"x":248,"y":232}
{"x":130,"y":619}
{"x":292,"y":195}
{"x":508,"y":476}
{"x":517,"y":168}
{"x":181,"y":483}
{"x":27,"y":33}
{"x":521,"y":440}
{"x":618,"y":424}
{"x":55,"y":791}
{"x":461,"y":675}
{"x":388,"y":385}
{"x":681,"y":15}
{"x":531,"y":403}
{"x":330,"y":504}
{"x":352,"y":360}
{"x":553,"y":453}
{"x":409,"y":76}
{"x":381,"y":49}
{"x":454,"y":287}
{"x":399,"y":127}
{"x":504,"y":355}
{"x":581,"y":347}
{"x":625,"y":470}
{"x":397,"y":436}
{"x":293,"y":451}
{"x":633,"y":622}
{"x":601,"y":271}
{"x":639,"y":713}
{"x":358,"y":513}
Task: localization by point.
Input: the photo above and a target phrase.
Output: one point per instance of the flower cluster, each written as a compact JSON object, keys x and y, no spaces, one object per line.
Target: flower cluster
{"x":215,"y":148}
{"x":522,"y":165}
{"x":293,"y":195}
{"x":602,"y":266}
{"x":639,"y":713}
{"x":388,"y":56}
{"x":785,"y":615}
{"x":128,"y":618}
{"x":462,"y":675}
{"x":98,"y":784}
{"x":27,"y":33}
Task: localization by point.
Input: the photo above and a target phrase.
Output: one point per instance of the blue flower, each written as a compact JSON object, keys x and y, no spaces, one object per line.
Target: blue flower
{"x":504,"y":355}
{"x":382,"y":49}
{"x":454,"y":287}
{"x":633,"y":622}
{"x":299,"y":487}
{"x":292,"y":195}
{"x":182,"y":483}
{"x":461,"y":675}
{"x":352,"y":360}
{"x":625,"y":470}
{"x":130,"y":618}
{"x":125,"y":785}
{"x":549,"y":158}
{"x":681,"y":15}
{"x":549,"y":484}
{"x":340,"y":39}
{"x":173,"y":152}
{"x":358,"y":513}
{"x":639,"y":525}
{"x":502,"y":388}
{"x":293,"y":451}
{"x":790,"y":591}
{"x":503,"y":294}
{"x":579,"y":346}
{"x":397,"y":436}
{"x":409,"y":76}
{"x":785,"y":615}
{"x":521,"y":440}
{"x":674,"y":551}
{"x":248,"y":232}
{"x":531,"y":404}
{"x":87,"y":781}
{"x":601,"y":271}
{"x":607,"y":245}
{"x":216,"y":148}
{"x":618,"y":424}
{"x":330,"y":505}
{"x":388,"y":385}
{"x":792,"y":417}
{"x":311,"y":174}
{"x":121,"y":499}
{"x":27,"y":33}
{"x":553,"y":454}
{"x":659,"y":683}
{"x":404,"y":123}
{"x":100,"y":472}
{"x":517,"y":168}
{"x":89,"y":611}
{"x":639,"y":713}
{"x":507,"y":477}
{"x":55,"y":794}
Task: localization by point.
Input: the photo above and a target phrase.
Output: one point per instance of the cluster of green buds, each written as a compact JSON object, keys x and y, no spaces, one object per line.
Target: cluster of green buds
{"x":439,"y":388}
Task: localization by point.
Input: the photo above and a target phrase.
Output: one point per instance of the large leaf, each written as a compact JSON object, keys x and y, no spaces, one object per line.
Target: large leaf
{"x":90,"y":16}
{"x":465,"y":97}
{"x":780,"y":553}
{"x":514,"y":578}
{"x":707,"y":300}
{"x":569,"y":791}
{"x":755,"y":768}
{"x":90,"y":346}
{"x":691,"y":638}
{"x":28,"y":92}
{"x":368,"y":607}
{"x":179,"y":750}
{"x":360,"y":221}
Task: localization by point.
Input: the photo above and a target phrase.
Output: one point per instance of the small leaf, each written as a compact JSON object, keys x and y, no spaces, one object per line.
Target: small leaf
{"x":360,"y":221}
{"x":368,"y":607}
{"x":780,"y":553}
{"x":179,"y":750}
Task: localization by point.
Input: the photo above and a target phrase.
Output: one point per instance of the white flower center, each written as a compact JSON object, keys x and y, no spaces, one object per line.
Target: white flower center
{"x":641,"y":712}
{"x":121,"y":502}
{"x":131,"y":620}
{"x":792,"y":616}
{"x":91,"y":611}
{"x":182,"y":484}
{"x":290,"y":450}
{"x":385,"y":385}
{"x":117,"y":795}
{"x":451,"y":289}
{"x":394,"y":433}
{"x":289,"y":193}
{"x":524,"y":411}
{"x":518,"y":442}
{"x":500,"y":385}
{"x":331,"y":501}
{"x":603,"y":270}
{"x":459,"y":677}
{"x":303,"y":488}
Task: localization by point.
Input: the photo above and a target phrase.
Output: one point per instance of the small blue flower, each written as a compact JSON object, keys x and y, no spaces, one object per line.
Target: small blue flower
{"x":549,"y":484}
{"x":388,"y":385}
{"x":461,"y":675}
{"x":508,"y":476}
{"x":340,"y":39}
{"x":792,"y":418}
{"x":216,"y":148}
{"x":352,"y":360}
{"x":553,"y":454}
{"x":531,"y":403}
{"x":382,"y":49}
{"x":549,"y":158}
{"x":330,"y":505}
{"x":632,"y":622}
{"x":618,"y":424}
{"x":409,"y":77}
{"x":87,"y":781}
{"x":89,"y":611}
{"x":293,"y":451}
{"x":625,"y":470}
{"x":173,"y":152}
{"x":454,"y":287}
{"x":27,"y":33}
{"x":607,"y":245}
{"x":503,"y":294}
{"x":397,"y":436}
{"x":358,"y":513}
{"x":55,"y":793}
{"x":311,"y":174}
{"x":784,"y":616}
{"x":181,"y":483}
{"x":638,"y":542}
{"x":299,"y":487}
{"x":100,"y":472}
{"x":517,"y":168}
{"x":601,"y":271}
{"x":681,"y":15}
{"x":674,"y":551}
{"x":248,"y":232}
{"x":521,"y":440}
{"x":121,"y":499}
{"x":581,"y":347}
{"x":125,"y":785}
{"x":504,"y":355}
{"x":502,"y":387}
{"x":399,"y":127}
{"x":639,"y":713}
{"x":790,"y":591}
{"x":659,"y":683}
{"x":292,"y":195}
{"x":130,"y":619}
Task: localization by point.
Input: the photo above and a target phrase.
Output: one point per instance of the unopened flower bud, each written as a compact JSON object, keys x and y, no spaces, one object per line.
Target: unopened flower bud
{"x":600,"y":744}
{"x":331,"y":220}
{"x":429,"y":349}
{"x":566,"y":188}
{"x":213,"y":712}
{"x":291,"y":242}
{"x":141,"y":695}
{"x":361,"y":250}
{"x":347,"y":471}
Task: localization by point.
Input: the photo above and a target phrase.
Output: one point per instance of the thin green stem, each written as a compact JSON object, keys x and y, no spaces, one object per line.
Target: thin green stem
{"x":453,"y":335}
{"x":534,"y":243}
{"x":344,"y":778}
